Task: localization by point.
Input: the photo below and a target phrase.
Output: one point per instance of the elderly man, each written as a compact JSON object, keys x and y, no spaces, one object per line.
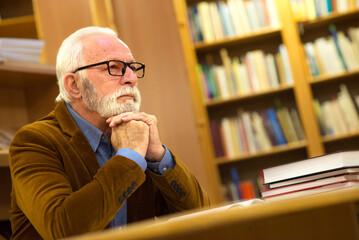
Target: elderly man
{"x":95,"y":161}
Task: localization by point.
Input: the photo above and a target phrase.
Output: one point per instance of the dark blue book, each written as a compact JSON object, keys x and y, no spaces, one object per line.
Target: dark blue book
{"x":278,"y":131}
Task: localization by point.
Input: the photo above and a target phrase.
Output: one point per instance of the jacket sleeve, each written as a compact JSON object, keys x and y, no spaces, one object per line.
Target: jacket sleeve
{"x":44,"y":191}
{"x":180,"y":188}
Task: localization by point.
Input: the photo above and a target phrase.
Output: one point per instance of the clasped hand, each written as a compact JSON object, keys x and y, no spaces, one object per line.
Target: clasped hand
{"x":137,"y":131}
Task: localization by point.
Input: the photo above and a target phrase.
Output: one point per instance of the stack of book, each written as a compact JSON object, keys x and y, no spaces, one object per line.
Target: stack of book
{"x":335,"y":54}
{"x":215,"y":20}
{"x":253,"y":72}
{"x":304,"y":10}
{"x":311,"y":176}
{"x":20,"y":49}
{"x":251,"y":132}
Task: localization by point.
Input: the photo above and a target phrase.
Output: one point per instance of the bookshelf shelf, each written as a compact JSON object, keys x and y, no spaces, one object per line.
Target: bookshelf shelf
{"x":227,"y":42}
{"x":221,"y":102}
{"x":331,"y":138}
{"x":335,"y":17}
{"x":340,"y":77}
{"x":4,"y":158}
{"x":274,"y":150}
{"x":23,"y":74}
{"x":22,"y":27}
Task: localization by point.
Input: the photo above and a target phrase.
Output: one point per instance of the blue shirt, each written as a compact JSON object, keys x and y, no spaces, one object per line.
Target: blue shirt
{"x":104,"y":151}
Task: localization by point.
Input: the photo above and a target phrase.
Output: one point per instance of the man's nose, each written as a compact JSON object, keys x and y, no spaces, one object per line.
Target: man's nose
{"x":129,"y":78}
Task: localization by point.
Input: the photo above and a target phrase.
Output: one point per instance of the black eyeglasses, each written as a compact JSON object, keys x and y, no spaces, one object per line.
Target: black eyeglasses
{"x":118,"y":67}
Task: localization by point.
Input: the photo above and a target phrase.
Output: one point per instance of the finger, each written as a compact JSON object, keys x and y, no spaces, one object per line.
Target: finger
{"x":140,"y":116}
{"x":118,"y":119}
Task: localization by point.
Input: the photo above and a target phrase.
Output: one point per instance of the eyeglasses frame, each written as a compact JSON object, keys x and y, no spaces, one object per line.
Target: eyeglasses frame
{"x":108,"y":67}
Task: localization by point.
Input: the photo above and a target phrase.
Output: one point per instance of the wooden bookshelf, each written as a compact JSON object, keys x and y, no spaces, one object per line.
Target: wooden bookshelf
{"x":292,"y":34}
{"x":23,"y":27}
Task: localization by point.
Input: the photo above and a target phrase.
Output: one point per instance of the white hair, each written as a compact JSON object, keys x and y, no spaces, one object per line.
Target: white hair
{"x":70,"y":56}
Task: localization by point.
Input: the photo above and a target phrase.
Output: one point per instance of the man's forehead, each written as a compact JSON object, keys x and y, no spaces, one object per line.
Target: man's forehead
{"x":105,"y":47}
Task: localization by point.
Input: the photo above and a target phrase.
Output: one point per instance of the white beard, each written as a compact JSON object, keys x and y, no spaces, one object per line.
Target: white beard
{"x":108,"y":106}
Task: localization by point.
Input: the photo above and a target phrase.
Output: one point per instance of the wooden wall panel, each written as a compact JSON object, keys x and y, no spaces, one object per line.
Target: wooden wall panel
{"x":150,"y":30}
{"x":56,"y":20}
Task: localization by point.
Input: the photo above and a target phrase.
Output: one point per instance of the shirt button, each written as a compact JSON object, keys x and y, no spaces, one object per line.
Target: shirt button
{"x":102,"y":137}
{"x":155,"y":170}
{"x":164,"y":169}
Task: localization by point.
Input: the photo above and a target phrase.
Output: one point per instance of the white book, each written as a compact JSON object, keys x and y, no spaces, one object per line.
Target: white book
{"x":19,"y":57}
{"x":286,"y":64}
{"x":260,"y":132}
{"x":251,"y":68}
{"x":273,"y":13}
{"x":342,"y":5}
{"x":272,"y":73}
{"x":313,"y":177}
{"x":334,"y":58}
{"x":328,"y":119}
{"x":309,"y":185}
{"x":329,"y":56}
{"x":311,"y":59}
{"x":240,"y":71}
{"x":227,"y":65}
{"x":290,"y":124}
{"x":251,"y":141}
{"x":315,"y":190}
{"x":216,"y":21}
{"x":28,"y":51}
{"x":353,"y":33}
{"x":205,"y":21}
{"x":310,"y":6}
{"x":348,"y":106}
{"x":297,"y":123}
{"x":260,"y":13}
{"x":347,"y":51}
{"x":241,"y":9}
{"x":320,"y":164}
{"x":220,"y":75}
{"x":21,"y":43}
{"x":235,"y":137}
{"x":224,"y":14}
{"x":261,"y":70}
{"x":236,"y":20}
{"x":228,"y":143}
{"x":252,"y":15}
{"x":338,"y":115}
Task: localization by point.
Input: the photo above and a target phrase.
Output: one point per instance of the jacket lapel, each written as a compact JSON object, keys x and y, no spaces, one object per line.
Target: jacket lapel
{"x":76,"y":138}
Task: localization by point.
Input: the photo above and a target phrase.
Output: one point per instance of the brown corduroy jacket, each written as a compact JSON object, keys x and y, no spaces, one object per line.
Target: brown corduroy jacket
{"x":59,"y":190}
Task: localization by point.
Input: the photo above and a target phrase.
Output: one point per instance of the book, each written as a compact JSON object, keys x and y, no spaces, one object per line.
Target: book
{"x":21,"y":49}
{"x":323,"y":163}
{"x":204,"y":17}
{"x":312,"y":177}
{"x":310,"y":185}
{"x":216,"y":21}
{"x":216,"y":138}
{"x":315,"y":190}
{"x":274,"y":122}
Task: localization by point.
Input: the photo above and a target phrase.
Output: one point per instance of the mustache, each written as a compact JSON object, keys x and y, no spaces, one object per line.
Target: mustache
{"x":129,"y":90}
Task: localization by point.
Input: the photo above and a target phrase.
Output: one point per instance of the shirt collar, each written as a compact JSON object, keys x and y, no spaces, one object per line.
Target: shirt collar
{"x":92,"y":133}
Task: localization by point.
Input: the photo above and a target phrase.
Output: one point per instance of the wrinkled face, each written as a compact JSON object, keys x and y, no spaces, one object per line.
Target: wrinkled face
{"x":105,"y":94}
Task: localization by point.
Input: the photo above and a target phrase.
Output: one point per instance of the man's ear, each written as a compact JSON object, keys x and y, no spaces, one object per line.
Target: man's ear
{"x":72,"y":84}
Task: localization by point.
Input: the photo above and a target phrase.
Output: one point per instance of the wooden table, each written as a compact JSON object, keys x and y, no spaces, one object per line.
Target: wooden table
{"x":332,"y":215}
